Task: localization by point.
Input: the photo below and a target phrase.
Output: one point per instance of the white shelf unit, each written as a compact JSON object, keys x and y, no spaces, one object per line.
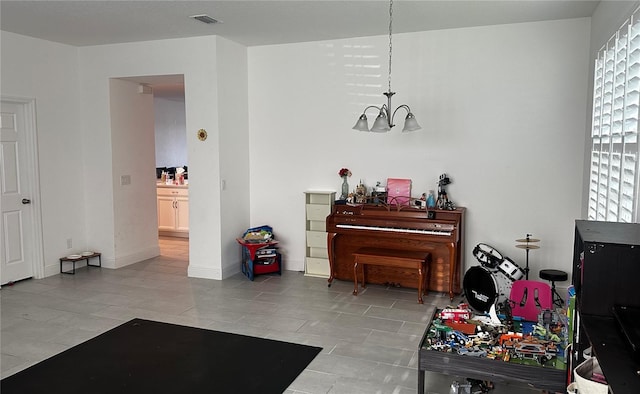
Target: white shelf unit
{"x":318,"y":207}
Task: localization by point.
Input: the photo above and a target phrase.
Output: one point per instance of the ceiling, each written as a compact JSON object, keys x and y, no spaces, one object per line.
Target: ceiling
{"x":265,"y":22}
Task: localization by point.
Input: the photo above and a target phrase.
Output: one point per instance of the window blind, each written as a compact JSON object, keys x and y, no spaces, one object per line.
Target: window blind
{"x":614,"y":173}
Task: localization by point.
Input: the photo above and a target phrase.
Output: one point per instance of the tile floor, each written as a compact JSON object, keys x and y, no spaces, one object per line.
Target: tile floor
{"x":369,"y":342}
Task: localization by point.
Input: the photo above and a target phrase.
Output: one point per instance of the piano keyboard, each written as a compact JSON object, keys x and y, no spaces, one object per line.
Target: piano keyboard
{"x":395,"y":230}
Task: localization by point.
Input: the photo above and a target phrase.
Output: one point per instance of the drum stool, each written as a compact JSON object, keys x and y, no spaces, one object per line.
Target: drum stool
{"x":553,"y":276}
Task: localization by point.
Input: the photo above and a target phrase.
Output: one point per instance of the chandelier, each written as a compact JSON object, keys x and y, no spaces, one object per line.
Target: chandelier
{"x":384,"y":121}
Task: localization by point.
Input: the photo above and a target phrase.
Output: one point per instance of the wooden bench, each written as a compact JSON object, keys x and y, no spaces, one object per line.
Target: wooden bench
{"x":392,"y":258}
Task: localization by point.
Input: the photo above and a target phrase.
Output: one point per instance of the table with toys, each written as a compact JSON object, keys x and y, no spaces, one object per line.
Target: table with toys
{"x":492,"y":347}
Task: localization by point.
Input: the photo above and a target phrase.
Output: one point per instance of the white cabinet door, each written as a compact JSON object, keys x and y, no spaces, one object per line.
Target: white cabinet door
{"x":166,"y":213}
{"x":182,"y":213}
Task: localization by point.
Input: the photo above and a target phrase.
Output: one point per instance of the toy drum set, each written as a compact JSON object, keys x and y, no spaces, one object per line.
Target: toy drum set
{"x":490,"y":283}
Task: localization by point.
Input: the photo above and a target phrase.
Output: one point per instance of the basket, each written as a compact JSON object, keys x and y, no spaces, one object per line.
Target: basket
{"x":583,"y":378}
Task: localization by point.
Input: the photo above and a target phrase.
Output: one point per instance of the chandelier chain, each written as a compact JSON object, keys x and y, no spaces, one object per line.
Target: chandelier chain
{"x":390,"y":44}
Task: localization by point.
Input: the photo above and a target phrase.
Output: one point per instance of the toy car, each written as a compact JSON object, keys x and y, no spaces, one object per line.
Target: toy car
{"x":474,"y":352}
{"x":459,"y":338}
{"x":539,"y":352}
{"x":455,"y":314}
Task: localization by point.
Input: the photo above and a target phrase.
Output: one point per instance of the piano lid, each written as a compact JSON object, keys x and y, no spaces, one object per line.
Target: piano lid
{"x":396,"y":211}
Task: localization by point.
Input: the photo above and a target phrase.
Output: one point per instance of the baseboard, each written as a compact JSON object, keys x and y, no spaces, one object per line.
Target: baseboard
{"x":132,"y":258}
{"x":204,"y":272}
{"x":179,"y":234}
{"x":54,"y":269}
{"x":293,"y":265}
{"x":230,"y":270}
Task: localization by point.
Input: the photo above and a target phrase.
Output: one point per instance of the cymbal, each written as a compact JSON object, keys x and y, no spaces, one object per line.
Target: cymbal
{"x":528,"y":246}
{"x":527,"y":240}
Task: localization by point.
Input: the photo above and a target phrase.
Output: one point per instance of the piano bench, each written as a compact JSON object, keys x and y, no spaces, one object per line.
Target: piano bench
{"x":393,"y":258}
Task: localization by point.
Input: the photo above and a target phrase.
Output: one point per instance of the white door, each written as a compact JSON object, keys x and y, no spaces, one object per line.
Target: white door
{"x":16,"y":226}
{"x":182,"y":213}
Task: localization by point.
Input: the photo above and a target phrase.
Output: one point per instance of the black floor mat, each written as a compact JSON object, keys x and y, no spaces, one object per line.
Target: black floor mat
{"x":143,"y":356}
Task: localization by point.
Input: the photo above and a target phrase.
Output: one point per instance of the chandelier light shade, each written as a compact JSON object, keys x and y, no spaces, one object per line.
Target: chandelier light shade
{"x":362,"y":124}
{"x":410,"y":123}
{"x":384,"y":120}
{"x":381,"y":124}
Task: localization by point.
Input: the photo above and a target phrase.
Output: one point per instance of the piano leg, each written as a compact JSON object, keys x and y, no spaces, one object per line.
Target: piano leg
{"x":452,"y":267}
{"x":330,"y":251}
{"x":421,"y":277}
{"x":427,"y":272}
{"x":355,"y":278}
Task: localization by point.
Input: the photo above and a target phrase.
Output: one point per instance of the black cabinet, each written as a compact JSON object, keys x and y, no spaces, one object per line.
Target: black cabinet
{"x":606,"y":266}
{"x":606,"y":272}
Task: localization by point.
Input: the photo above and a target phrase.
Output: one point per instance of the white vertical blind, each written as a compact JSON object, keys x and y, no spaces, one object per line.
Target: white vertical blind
{"x":614,"y":173}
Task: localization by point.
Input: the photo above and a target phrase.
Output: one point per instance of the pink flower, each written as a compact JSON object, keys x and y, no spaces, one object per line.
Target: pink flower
{"x":344,"y":172}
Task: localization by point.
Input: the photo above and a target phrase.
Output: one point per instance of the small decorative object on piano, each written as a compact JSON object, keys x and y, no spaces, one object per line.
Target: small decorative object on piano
{"x":431,"y":200}
{"x":443,"y":199}
{"x":422,"y":202}
{"x":260,"y":234}
{"x":378,"y":193}
{"x":351,"y":199}
{"x":361,"y":193}
{"x":344,"y":174}
{"x":398,"y":191}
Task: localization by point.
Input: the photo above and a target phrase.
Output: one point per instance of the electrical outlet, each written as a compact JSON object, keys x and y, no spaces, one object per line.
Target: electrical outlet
{"x":125,"y":180}
{"x":69,"y":243}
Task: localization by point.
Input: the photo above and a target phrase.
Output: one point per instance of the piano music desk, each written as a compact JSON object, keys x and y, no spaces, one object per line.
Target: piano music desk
{"x":392,"y":258}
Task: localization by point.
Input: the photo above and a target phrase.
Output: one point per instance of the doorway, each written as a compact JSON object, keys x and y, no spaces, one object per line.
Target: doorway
{"x":21,"y":255}
{"x":171,"y":159}
{"x":170,"y":155}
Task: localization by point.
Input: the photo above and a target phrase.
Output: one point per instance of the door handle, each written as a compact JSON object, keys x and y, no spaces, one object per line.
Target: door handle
{"x":26,"y":201}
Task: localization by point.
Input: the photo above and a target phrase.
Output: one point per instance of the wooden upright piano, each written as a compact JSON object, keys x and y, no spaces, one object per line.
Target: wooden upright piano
{"x":439,"y":232}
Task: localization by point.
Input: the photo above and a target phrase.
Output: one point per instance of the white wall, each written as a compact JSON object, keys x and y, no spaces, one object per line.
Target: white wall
{"x":195,"y":58}
{"x":234,"y":152}
{"x":132,"y":138}
{"x":502,"y":109}
{"x":47,"y":72}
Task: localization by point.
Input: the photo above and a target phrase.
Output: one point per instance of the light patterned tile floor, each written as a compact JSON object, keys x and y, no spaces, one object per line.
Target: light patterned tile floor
{"x":369,"y":342}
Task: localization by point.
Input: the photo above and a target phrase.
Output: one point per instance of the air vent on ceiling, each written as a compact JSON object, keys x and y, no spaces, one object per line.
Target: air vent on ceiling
{"x":204,"y":18}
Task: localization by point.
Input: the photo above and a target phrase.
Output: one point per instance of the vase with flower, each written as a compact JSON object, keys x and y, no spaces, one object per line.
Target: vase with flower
{"x":344,"y":174}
